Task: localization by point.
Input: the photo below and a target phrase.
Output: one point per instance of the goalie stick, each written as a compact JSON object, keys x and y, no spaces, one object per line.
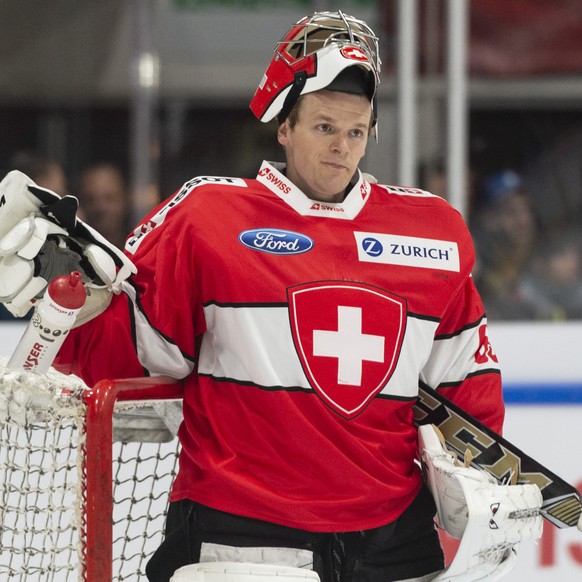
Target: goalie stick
{"x":496,"y":455}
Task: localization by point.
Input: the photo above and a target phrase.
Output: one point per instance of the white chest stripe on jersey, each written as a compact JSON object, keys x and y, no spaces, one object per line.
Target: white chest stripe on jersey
{"x":272,"y":360}
{"x":408,"y":251}
{"x":443,"y":368}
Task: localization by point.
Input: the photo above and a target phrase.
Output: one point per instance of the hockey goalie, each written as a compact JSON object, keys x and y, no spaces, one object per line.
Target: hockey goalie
{"x":491,"y":519}
{"x":301,"y":310}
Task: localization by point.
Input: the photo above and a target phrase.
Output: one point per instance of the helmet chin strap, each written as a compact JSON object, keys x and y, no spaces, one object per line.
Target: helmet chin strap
{"x":298,"y":84}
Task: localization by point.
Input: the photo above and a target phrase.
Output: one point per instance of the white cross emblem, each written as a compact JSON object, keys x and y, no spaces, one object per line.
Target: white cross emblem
{"x":348,"y":336}
{"x":355,"y":53}
{"x":349,"y":345}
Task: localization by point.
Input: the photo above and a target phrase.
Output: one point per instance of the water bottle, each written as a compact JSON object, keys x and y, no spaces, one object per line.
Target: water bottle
{"x":53,"y":318}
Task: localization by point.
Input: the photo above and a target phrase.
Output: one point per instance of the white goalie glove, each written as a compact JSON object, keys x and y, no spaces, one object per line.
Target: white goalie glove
{"x":491,"y":519}
{"x":41,"y":238}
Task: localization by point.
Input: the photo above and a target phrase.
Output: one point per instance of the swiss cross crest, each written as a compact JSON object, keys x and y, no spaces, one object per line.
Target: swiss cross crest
{"x":348,"y":338}
{"x":354,"y":53}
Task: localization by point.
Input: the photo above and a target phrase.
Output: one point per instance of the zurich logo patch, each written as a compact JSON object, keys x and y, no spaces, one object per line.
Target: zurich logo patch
{"x":372,"y":246}
{"x":275,"y":241}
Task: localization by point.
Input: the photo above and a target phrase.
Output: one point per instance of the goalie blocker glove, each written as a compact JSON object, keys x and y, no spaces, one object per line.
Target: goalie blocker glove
{"x":42,"y":238}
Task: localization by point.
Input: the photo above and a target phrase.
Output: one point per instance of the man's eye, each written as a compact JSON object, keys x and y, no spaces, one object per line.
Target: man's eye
{"x":357,"y":133}
{"x":324,"y":127}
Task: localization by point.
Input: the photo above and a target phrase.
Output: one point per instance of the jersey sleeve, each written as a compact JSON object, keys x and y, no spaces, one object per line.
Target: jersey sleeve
{"x":462,"y":364}
{"x":150,"y":328}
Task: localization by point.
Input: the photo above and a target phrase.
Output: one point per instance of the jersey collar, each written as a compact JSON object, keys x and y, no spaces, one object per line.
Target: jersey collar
{"x":272,"y":176}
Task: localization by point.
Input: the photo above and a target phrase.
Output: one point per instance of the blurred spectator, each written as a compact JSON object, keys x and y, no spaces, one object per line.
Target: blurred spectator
{"x":552,"y":287}
{"x":103,"y":201}
{"x":44,"y":171}
{"x":504,"y":231}
{"x":433,"y":177}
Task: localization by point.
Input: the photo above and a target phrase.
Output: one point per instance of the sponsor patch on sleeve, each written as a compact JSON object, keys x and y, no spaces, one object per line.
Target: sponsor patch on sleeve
{"x":408,"y":251}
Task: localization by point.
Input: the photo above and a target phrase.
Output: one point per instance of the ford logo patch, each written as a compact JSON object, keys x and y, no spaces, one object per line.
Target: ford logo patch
{"x":275,"y":241}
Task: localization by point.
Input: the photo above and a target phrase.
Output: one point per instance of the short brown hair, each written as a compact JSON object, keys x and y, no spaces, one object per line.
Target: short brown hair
{"x":293,"y":116}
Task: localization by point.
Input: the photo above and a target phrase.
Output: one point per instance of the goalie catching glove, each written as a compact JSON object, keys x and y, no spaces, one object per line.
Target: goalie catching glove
{"x":41,"y":238}
{"x":491,"y":519}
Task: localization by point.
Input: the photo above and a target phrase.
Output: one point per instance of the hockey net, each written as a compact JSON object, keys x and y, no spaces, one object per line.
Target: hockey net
{"x":85,"y":475}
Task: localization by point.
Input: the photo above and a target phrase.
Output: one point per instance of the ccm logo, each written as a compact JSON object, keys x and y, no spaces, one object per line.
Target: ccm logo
{"x":275,"y":241}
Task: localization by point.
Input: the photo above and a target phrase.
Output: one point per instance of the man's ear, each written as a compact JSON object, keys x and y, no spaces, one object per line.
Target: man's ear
{"x":282,"y":133}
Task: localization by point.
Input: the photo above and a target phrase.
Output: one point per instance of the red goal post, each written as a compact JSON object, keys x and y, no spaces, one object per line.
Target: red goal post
{"x":79,"y":500}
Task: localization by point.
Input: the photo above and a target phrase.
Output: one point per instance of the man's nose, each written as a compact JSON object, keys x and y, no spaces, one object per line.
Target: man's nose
{"x":340,"y":143}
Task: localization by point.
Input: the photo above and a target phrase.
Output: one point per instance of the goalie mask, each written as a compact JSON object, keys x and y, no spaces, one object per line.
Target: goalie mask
{"x":316,"y":54}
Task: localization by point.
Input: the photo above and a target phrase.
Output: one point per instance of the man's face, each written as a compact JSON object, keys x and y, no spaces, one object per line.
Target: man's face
{"x":325,"y":146}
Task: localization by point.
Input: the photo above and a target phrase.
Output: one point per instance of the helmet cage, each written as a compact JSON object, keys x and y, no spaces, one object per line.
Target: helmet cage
{"x":317,"y":31}
{"x":310,"y":56}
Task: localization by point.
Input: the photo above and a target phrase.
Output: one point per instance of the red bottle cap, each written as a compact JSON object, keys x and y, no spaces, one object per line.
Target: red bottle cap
{"x":68,"y":291}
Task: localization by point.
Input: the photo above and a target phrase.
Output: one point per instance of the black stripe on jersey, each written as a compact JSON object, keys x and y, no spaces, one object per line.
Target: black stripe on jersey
{"x":244,"y":304}
{"x":276,"y":388}
{"x":424,"y":317}
{"x":294,"y":388}
{"x":285,"y":305}
{"x":381,"y":396}
{"x":471,"y":375}
{"x":471,"y":325}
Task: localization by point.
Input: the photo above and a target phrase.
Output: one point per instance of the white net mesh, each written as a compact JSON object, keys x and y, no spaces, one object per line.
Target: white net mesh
{"x":40,"y":498}
{"x":141,"y":491}
{"x":43,"y":469}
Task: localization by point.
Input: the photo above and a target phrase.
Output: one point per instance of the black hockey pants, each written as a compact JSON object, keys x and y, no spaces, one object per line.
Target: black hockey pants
{"x":407,"y":548}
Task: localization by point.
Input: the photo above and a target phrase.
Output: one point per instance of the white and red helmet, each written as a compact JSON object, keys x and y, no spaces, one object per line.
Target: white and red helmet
{"x":311,"y":56}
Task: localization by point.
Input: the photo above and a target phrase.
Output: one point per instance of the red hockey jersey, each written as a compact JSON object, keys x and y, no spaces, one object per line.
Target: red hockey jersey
{"x":303,"y":330}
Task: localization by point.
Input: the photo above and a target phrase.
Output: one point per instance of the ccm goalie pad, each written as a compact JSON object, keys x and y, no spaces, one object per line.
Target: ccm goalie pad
{"x":41,"y":238}
{"x":242,"y":572}
{"x":491,"y":519}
